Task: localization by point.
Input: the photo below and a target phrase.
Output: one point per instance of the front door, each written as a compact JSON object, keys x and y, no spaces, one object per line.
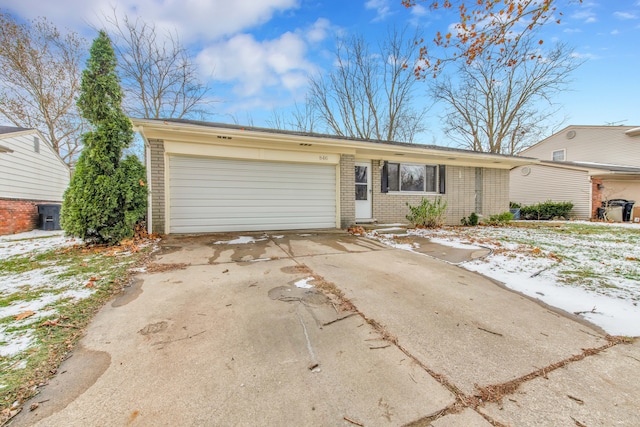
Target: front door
{"x":363,"y":190}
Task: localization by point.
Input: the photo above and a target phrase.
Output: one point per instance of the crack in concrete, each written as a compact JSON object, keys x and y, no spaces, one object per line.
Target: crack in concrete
{"x":486,"y":394}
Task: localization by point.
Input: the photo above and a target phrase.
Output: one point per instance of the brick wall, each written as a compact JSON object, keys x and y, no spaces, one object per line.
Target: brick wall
{"x":157,"y":186}
{"x":467,"y":189}
{"x":597,"y":196}
{"x":347,"y":190}
{"x":18,"y":216}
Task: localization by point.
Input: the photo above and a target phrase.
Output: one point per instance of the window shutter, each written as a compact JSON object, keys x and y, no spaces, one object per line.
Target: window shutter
{"x":442,"y":172}
{"x":384,"y":181}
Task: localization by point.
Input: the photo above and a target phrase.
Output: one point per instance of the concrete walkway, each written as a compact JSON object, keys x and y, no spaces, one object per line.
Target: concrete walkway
{"x":231,"y":333}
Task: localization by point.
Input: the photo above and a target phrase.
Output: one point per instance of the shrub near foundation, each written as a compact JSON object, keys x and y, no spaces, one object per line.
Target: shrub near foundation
{"x":546,"y":210}
{"x":428,"y":214}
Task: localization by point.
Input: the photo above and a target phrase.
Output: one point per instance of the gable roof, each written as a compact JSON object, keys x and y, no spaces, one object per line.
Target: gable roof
{"x":207,"y":132}
{"x":7,"y":132}
{"x":627,"y":130}
{"x":12,"y":129}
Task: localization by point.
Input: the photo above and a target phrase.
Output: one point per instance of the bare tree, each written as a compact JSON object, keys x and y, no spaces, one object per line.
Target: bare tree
{"x":158,"y":75}
{"x":39,"y":81}
{"x":301,"y":119}
{"x":370,"y":94}
{"x":498,"y":109}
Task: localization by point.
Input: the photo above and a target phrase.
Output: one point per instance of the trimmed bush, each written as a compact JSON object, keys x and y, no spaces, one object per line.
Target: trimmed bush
{"x":428,"y":214}
{"x":547,"y":210}
{"x":500,"y":219}
{"x":472,"y":221}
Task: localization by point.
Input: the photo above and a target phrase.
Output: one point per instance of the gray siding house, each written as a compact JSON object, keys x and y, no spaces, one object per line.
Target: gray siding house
{"x":31,"y":173}
{"x":586,"y":165}
{"x":209,"y":177}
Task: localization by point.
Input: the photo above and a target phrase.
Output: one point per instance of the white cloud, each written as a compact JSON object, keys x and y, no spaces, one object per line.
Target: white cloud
{"x":381,"y":7}
{"x":192,"y":19}
{"x":253,"y":66}
{"x":572,"y":30}
{"x":318,"y":31}
{"x":419,"y":10}
{"x":587,"y":16}
{"x":615,"y":32}
{"x":578,"y":55}
{"x":625,"y":15}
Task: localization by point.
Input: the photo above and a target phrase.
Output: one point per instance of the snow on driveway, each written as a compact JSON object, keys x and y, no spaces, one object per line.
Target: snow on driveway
{"x":589,"y":269}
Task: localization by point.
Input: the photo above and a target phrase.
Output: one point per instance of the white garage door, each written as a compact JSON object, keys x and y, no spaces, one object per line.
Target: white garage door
{"x":211,"y":195}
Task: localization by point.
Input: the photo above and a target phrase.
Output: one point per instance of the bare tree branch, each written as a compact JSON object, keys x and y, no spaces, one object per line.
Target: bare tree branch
{"x":369,"y":94}
{"x":158,"y":75}
{"x":39,"y":81}
{"x":498,"y":109}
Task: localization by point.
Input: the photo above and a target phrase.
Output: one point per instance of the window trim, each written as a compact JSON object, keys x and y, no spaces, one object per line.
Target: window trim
{"x":437,"y":184}
{"x":564,"y":155}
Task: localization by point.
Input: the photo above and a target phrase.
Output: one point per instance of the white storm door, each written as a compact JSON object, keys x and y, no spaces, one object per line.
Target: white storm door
{"x":363,"y":190}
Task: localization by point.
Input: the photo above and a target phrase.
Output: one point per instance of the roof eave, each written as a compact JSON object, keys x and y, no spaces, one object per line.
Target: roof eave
{"x":156,"y":129}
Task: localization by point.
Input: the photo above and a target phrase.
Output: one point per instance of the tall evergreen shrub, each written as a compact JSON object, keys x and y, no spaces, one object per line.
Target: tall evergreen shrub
{"x":107,"y":194}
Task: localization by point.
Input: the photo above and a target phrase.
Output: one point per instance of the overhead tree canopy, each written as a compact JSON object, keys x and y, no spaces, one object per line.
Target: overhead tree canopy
{"x":40,"y":79}
{"x":486,"y":30}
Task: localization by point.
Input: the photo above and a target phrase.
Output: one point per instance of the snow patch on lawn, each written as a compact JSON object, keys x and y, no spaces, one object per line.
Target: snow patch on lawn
{"x":14,"y":343}
{"x":33,"y":242}
{"x":41,"y":287}
{"x":454,"y":244}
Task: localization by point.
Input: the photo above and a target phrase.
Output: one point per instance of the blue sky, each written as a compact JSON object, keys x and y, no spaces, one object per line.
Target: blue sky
{"x":257,"y":54}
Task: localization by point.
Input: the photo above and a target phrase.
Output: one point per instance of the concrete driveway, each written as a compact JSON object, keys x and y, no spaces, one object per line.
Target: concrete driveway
{"x":330,"y":329}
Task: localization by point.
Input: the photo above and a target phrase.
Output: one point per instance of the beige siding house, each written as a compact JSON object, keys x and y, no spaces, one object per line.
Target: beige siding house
{"x":586,"y":165}
{"x":208,"y":177}
{"x":31,"y":173}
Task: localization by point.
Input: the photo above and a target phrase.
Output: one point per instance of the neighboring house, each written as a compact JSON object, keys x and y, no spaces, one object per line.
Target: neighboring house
{"x":207,"y":177}
{"x":31,"y":173}
{"x":585,"y":165}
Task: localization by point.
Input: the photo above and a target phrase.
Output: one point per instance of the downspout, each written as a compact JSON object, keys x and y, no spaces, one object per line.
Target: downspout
{"x":147,"y":161}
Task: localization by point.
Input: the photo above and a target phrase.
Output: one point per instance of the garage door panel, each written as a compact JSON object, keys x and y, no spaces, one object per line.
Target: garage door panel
{"x":249,"y":198}
{"x":252,"y":186}
{"x":209,"y":195}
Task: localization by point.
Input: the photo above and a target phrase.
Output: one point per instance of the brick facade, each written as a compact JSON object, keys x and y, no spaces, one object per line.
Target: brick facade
{"x":18,"y":216}
{"x":347,"y":190}
{"x":468,"y":189}
{"x":157,"y":185}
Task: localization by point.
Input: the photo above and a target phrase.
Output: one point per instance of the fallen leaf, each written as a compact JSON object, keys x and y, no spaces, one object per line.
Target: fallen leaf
{"x":630,"y":258}
{"x":50,"y":322}
{"x":90,"y":285}
{"x":25,"y":314}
